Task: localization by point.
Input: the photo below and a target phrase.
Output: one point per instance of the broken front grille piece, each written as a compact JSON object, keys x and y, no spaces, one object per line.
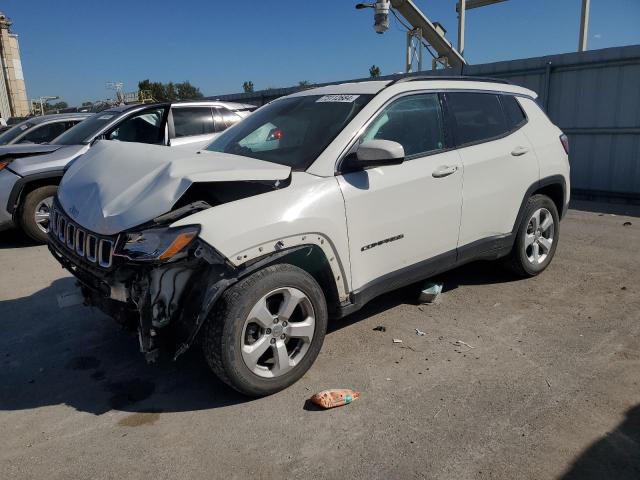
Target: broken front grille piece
{"x":94,"y":249}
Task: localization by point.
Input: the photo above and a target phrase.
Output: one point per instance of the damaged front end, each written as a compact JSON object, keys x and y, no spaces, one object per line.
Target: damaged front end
{"x":150,"y":279}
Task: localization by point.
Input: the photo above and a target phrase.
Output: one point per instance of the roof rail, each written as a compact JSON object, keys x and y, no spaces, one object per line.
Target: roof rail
{"x":459,"y":78}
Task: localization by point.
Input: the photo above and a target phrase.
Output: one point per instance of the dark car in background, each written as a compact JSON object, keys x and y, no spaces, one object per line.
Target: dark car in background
{"x":41,"y":129}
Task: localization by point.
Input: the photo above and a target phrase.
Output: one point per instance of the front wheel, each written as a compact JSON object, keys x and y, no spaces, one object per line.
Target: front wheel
{"x":35,"y":212}
{"x":537,"y":237}
{"x":267,"y":330}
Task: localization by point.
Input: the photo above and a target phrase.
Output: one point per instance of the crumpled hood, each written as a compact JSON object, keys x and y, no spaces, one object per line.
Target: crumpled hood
{"x":118,"y":185}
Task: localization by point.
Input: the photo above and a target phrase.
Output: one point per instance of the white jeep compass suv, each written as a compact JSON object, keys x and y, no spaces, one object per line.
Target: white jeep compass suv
{"x":306,"y":210}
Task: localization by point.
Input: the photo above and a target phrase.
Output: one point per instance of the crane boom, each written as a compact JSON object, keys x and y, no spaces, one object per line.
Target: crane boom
{"x":433,"y":37}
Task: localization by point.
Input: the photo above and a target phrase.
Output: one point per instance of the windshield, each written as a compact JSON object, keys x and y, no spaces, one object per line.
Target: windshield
{"x":86,"y":130}
{"x":292,"y":131}
{"x":13,"y":132}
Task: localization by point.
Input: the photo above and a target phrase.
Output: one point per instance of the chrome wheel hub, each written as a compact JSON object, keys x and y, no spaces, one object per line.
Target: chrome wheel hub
{"x":42,"y":214}
{"x":278,"y":332}
{"x":539,"y":236}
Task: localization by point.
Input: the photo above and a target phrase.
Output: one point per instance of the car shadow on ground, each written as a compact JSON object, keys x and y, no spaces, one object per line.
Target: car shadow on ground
{"x":616,"y":455}
{"x":14,"y":238}
{"x":79,"y":357}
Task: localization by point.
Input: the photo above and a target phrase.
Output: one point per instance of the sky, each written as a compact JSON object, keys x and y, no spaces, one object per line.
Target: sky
{"x":72,"y":48}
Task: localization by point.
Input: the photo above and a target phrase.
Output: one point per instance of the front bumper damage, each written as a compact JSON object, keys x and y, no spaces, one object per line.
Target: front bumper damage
{"x":166,"y":302}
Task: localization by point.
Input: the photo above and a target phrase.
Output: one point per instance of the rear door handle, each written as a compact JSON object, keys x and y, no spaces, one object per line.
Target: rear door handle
{"x":444,"y":171}
{"x":520,"y":150}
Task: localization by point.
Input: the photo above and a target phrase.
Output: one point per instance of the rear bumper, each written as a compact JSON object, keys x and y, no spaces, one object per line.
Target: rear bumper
{"x":7,"y":180}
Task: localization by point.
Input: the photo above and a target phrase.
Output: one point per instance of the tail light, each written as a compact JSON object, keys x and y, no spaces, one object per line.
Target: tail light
{"x":565,"y":142}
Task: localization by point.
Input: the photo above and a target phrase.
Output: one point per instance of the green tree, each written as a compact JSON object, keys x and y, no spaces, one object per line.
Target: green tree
{"x":374,"y":71}
{"x":247,"y":86}
{"x":55,"y":106}
{"x":170,"y":92}
{"x":304,"y":83}
{"x":86,"y":104}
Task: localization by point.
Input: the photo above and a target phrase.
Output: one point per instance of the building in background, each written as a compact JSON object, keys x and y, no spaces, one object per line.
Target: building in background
{"x":13,"y":93}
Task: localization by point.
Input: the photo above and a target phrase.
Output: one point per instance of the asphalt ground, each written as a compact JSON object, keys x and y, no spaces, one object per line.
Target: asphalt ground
{"x":513,"y":379}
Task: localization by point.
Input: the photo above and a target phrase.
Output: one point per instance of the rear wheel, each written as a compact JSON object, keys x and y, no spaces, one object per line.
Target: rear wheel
{"x":35,"y":212}
{"x":266,"y":330}
{"x":537,"y":237}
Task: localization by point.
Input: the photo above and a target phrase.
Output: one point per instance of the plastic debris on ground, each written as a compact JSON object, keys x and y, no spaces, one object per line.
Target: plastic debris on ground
{"x":627,"y":224}
{"x":430,"y":292}
{"x":335,"y":397}
{"x":380,"y":328}
{"x":420,"y":333}
{"x":397,"y":340}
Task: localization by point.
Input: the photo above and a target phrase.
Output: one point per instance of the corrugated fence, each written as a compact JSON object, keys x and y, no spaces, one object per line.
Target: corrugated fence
{"x":594,"y":97}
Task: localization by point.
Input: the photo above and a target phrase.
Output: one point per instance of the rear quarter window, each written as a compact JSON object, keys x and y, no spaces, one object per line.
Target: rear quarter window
{"x":477,"y":117}
{"x":514,"y":112}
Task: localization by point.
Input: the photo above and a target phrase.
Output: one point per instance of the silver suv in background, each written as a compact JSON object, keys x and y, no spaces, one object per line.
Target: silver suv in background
{"x":30,"y":174}
{"x":41,"y":129}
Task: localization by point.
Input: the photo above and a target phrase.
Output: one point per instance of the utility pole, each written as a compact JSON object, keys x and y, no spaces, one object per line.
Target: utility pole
{"x":461,"y":7}
{"x":462,"y":10}
{"x":584,"y":26}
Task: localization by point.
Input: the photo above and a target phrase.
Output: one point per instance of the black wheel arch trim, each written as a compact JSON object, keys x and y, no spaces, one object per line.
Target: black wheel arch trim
{"x":22,"y":182}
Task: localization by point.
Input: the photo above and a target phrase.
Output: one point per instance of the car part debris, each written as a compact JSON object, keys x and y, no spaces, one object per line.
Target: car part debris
{"x":397,"y":340}
{"x":335,"y":397}
{"x":420,"y":333}
{"x":430,"y":292}
{"x":460,"y":342}
{"x":380,"y":328}
{"x":627,"y":224}
{"x":69,"y":299}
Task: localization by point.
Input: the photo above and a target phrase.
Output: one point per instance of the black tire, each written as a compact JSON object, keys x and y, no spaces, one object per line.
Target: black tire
{"x":518,"y":260}
{"x":26,"y":215}
{"x":223,"y":332}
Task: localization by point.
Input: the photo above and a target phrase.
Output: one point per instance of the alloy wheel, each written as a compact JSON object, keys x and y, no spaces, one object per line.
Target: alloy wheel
{"x":539,"y":236}
{"x":42,"y":214}
{"x":278,"y":332}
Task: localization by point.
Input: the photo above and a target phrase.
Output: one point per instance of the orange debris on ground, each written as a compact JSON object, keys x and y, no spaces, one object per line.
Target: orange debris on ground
{"x":335,"y":397}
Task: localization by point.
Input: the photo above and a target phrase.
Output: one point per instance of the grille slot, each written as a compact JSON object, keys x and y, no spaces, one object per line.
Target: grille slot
{"x":90,"y":247}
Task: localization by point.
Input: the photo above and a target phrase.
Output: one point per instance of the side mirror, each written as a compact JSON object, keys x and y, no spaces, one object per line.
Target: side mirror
{"x":376,"y":153}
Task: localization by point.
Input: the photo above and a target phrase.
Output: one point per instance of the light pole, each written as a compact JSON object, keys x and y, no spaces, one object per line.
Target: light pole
{"x":461,"y":8}
{"x":584,"y":26}
{"x":44,"y":100}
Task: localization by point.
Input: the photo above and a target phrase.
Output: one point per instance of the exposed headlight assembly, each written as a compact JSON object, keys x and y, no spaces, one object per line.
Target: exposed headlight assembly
{"x":156,"y":244}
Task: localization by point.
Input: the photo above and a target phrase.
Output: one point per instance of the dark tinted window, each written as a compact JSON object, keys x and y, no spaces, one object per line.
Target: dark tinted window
{"x":143,"y":127}
{"x":228,"y":117}
{"x":43,"y":133}
{"x":415,"y":122}
{"x":11,"y":134}
{"x":514,"y":112}
{"x":478,"y":116}
{"x":291,"y":131}
{"x":188,"y":121}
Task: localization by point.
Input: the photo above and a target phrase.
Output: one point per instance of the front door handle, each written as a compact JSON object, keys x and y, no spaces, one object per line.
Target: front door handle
{"x":520,"y":150}
{"x":444,"y":171}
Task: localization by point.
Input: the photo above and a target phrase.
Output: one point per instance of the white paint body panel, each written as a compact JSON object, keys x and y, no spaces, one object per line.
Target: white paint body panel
{"x":406,"y":200}
{"x":308,"y":211}
{"x":495,"y":182}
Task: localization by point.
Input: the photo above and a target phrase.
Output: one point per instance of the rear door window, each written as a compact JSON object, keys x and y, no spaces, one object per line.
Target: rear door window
{"x":189,"y":121}
{"x":415,"y":122}
{"x":477,"y":116}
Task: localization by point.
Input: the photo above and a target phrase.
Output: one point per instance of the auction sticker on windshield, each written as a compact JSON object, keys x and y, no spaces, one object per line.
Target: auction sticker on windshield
{"x":337,"y":98}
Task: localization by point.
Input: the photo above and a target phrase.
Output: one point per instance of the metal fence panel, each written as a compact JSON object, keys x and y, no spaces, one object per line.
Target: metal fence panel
{"x":593,"y":96}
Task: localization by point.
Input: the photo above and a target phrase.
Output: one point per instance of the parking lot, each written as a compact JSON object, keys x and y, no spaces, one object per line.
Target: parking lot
{"x":513,"y":379}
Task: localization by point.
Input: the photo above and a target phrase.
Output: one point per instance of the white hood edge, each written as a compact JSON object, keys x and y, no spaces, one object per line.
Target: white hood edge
{"x":118,"y":185}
